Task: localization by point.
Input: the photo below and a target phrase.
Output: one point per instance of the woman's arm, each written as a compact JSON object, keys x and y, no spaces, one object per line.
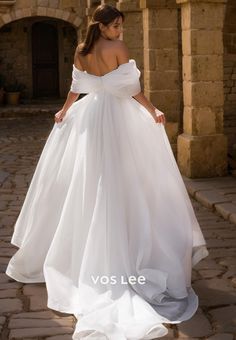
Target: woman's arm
{"x":122,"y":54}
{"x":71,"y":98}
{"x":140,"y":97}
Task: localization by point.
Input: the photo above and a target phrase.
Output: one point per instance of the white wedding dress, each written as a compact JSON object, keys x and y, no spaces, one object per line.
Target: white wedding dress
{"x":107,"y":222}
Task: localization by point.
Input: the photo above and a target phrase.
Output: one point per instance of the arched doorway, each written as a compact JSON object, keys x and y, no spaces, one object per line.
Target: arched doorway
{"x":45,"y":59}
{"x":38,"y":52}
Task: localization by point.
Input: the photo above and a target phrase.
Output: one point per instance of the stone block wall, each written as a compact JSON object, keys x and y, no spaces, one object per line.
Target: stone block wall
{"x":16,"y":56}
{"x":163,"y":62}
{"x":230,"y":80}
{"x":16,"y":19}
{"x":133,"y":32}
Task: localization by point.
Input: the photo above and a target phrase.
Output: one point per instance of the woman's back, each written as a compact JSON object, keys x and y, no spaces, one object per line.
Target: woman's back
{"x":105,"y":56}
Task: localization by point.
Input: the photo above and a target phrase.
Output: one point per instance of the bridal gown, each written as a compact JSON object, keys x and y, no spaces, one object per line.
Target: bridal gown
{"x":107,"y":222}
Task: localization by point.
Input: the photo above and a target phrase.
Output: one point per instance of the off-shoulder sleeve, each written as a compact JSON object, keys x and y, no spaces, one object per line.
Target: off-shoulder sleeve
{"x":125,"y":81}
{"x":75,"y":82}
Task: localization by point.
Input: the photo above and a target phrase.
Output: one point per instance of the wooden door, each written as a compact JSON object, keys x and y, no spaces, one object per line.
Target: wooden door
{"x":45,"y":60}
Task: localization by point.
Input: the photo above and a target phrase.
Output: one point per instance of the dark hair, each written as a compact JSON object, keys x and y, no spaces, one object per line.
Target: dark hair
{"x":104,"y":14}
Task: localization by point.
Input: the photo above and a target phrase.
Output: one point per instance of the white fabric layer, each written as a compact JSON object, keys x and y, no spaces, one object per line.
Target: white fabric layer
{"x":107,"y":200}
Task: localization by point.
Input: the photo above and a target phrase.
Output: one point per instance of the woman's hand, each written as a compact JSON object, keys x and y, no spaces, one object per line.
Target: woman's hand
{"x":159,"y":116}
{"x":58,"y":117}
{"x":160,"y":119}
{"x":142,"y":99}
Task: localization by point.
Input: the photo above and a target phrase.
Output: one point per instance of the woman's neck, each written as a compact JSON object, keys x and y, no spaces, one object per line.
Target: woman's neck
{"x":103,"y":37}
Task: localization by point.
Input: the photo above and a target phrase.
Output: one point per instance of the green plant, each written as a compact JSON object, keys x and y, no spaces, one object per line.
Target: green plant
{"x":15,"y":87}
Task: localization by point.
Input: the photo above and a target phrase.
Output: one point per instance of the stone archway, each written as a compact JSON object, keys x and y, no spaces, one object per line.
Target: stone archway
{"x":19,"y":62}
{"x":56,"y":13}
{"x":67,"y":20}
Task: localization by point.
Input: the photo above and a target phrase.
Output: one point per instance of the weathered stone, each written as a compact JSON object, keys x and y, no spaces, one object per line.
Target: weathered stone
{"x":202,"y":156}
{"x":208,"y":264}
{"x":33,"y":332}
{"x":54,"y":3}
{"x":43,"y":3}
{"x":8,"y":252}
{"x":217,"y":243}
{"x":224,"y":319}
{"x":227,"y":261}
{"x":221,"y":336}
{"x":3,"y":176}
{"x":203,"y":67}
{"x":38,"y":302}
{"x":2,"y":320}
{"x":214,"y":292}
{"x":10,"y":285}
{"x":210,"y":198}
{"x":197,"y":326}
{"x":203,"y":15}
{"x":195,"y":122}
{"x":10,"y":305}
{"x":232,"y":218}
{"x":59,"y":337}
{"x":210,"y":273}
{"x":218,"y":253}
{"x":39,"y":323}
{"x":4,"y":278}
{"x":194,"y":186}
{"x":8,"y":293}
{"x":211,"y":93}
{"x":226,"y":209}
{"x":215,"y":225}
{"x":36,"y":289}
{"x":195,"y":42}
{"x":41,"y":315}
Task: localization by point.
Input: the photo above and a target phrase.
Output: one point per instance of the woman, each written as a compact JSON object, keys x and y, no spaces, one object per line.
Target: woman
{"x":107,"y":209}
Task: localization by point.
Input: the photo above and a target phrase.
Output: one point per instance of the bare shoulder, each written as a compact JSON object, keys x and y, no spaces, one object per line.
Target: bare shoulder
{"x":120,"y":46}
{"x":77,"y":61}
{"x":121,"y":51}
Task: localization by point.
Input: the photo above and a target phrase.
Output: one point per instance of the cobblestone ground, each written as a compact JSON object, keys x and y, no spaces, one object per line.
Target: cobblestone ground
{"x":23,"y":307}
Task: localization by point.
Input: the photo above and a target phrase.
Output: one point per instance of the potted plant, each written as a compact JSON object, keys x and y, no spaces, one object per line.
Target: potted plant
{"x":13,"y":91}
{"x":2,"y":92}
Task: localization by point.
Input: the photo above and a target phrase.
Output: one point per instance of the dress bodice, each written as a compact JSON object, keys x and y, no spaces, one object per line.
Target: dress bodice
{"x":122,"y":81}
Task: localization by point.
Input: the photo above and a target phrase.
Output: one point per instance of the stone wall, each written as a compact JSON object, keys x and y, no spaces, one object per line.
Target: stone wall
{"x":14,"y":53}
{"x":16,"y":56}
{"x":16,"y":19}
{"x":230,"y":80}
{"x":71,"y":11}
{"x":202,"y":147}
{"x":133,"y":31}
{"x":163,"y":62}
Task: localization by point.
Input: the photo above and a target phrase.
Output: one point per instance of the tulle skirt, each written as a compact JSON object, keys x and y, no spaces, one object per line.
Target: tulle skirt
{"x":107,"y":223}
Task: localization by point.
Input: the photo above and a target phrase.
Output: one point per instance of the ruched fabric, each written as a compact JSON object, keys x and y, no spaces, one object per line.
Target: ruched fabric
{"x":122,"y":82}
{"x":107,"y":222}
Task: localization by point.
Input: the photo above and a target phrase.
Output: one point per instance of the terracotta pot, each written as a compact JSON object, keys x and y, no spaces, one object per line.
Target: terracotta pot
{"x":13,"y":98}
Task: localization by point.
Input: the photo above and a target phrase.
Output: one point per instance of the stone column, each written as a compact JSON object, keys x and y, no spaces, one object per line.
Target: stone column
{"x":202,"y":148}
{"x":162,"y":82}
{"x":133,"y":30}
{"x":91,"y":5}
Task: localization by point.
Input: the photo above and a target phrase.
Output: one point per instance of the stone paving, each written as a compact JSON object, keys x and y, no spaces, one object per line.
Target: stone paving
{"x":217,"y":194}
{"x":23,"y":307}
